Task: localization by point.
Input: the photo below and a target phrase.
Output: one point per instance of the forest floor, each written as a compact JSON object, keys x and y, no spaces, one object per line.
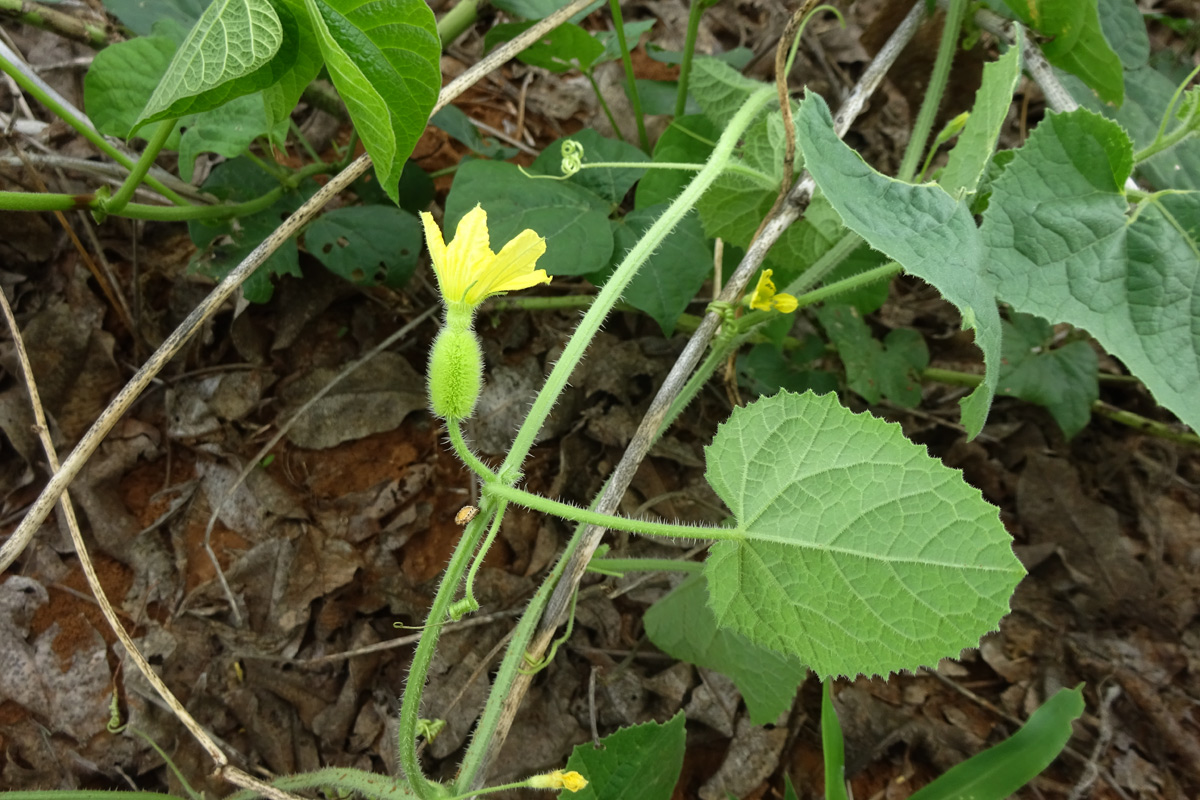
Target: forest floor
{"x":345,"y":528}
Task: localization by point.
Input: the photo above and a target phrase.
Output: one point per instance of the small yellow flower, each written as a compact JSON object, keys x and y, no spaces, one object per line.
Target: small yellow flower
{"x":571,"y":781}
{"x":765,"y":298}
{"x":468,"y":272}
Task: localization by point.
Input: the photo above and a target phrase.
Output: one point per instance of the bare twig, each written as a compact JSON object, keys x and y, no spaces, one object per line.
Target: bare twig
{"x":225,"y":289}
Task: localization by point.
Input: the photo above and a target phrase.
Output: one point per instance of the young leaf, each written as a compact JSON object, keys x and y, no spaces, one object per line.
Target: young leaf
{"x":573,"y":220}
{"x":234,"y":49}
{"x":641,"y":762}
{"x":367,"y":245}
{"x":682,"y":626}
{"x":386,"y":63}
{"x":1061,"y":245}
{"x":612,"y":45}
{"x":1148,"y":91}
{"x":833,"y":746}
{"x":1063,"y":379}
{"x":455,"y":122}
{"x":875,"y":369}
{"x":673,"y":275}
{"x":720,"y":89}
{"x":1000,"y":771}
{"x":856,"y":551}
{"x":975,"y":146}
{"x":766,"y":370}
{"x":927,"y":231}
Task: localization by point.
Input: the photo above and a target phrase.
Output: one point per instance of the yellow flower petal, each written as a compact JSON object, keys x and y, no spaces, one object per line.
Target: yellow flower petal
{"x":512,"y":268}
{"x":437,"y":247}
{"x":468,"y":255}
{"x":468,"y":272}
{"x":763,"y":292}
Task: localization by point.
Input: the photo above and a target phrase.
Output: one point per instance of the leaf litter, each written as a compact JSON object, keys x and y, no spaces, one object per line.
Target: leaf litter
{"x":344,"y":531}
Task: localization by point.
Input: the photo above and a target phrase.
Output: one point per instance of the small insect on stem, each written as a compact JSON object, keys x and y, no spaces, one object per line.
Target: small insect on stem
{"x":465,"y":515}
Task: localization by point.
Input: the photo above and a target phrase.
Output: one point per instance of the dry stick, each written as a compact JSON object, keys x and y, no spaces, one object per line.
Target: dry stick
{"x":226,"y":769}
{"x":159,"y":358}
{"x":622,"y":476}
{"x":253,"y":463}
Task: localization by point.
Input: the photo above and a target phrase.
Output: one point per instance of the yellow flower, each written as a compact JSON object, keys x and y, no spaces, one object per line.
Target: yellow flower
{"x":571,"y":781}
{"x":468,"y":272}
{"x":766,"y":299}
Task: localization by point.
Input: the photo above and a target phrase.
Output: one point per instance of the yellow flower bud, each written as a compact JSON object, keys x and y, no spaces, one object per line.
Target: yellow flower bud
{"x":765,"y":298}
{"x":571,"y":781}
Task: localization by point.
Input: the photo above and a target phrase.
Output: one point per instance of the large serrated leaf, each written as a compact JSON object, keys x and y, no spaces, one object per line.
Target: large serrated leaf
{"x":855,"y":551}
{"x":229,"y":52}
{"x":927,"y":231}
{"x":682,"y":626}
{"x":385,"y":60}
{"x":641,"y":762}
{"x":1062,"y":246}
{"x":720,"y":89}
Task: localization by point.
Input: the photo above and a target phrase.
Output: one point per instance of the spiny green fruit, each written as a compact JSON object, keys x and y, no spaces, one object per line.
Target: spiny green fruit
{"x":455,"y":369}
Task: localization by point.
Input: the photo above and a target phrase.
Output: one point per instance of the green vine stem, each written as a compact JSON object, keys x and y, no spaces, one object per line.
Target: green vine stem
{"x":46,"y":18}
{"x":1165,"y":141}
{"x":1159,"y":430}
{"x":501,"y":700}
{"x":38,"y":201}
{"x":410,"y":704}
{"x":454,"y":428}
{"x":587,"y":73}
{"x":645,"y":527}
{"x":937,"y":88}
{"x":631,"y":84}
{"x":620,"y":279}
{"x":69,"y":114}
{"x":865,"y":278}
{"x":696,"y":11}
{"x":619,"y":566}
{"x":510,"y":666}
{"x":469,"y":604}
{"x":457,"y":20}
{"x":367,"y":784}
